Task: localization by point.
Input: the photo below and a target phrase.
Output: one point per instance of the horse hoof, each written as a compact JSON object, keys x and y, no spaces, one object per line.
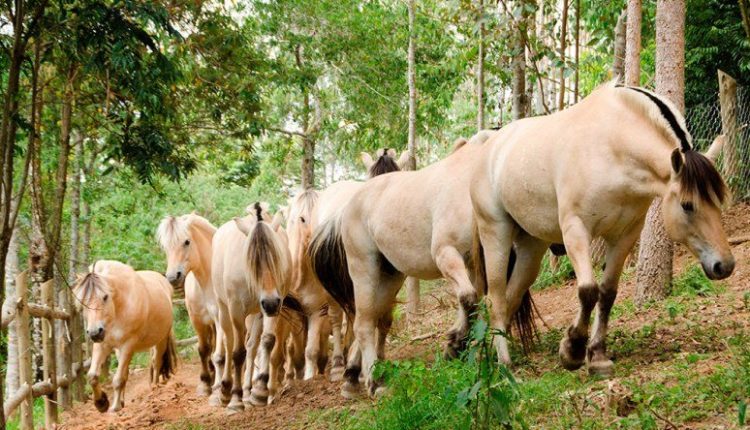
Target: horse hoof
{"x":235,"y":406}
{"x":258,"y":400}
{"x":350,"y":391}
{"x":215,"y":400}
{"x":203,"y":390}
{"x":102,"y":404}
{"x":337,"y":374}
{"x":380,"y":391}
{"x":604,"y":368}
{"x":572,"y":353}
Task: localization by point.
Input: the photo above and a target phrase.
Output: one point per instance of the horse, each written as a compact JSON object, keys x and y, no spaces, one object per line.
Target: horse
{"x":591,"y":171}
{"x":251,"y":273}
{"x":186,"y":240}
{"x":307,"y":210}
{"x":363,"y":250}
{"x":127,"y":311}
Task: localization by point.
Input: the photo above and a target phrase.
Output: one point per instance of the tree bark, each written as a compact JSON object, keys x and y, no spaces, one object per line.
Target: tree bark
{"x":412,"y":284}
{"x":654,"y":269}
{"x":745,"y":12}
{"x":577,"y":51}
{"x":732,"y":161}
{"x":563,"y":46}
{"x":633,"y":44}
{"x":480,"y":68}
{"x":618,"y":63}
{"x":11,"y":270}
{"x":518,"y":68}
{"x":308,"y":142}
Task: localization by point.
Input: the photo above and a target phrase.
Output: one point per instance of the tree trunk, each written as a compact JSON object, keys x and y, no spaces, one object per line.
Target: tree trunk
{"x":654,"y":269}
{"x":745,"y":12}
{"x":731,"y":165}
{"x":618,"y":63}
{"x":633,"y":44}
{"x":563,"y":46}
{"x":11,"y":270}
{"x":480,"y":69}
{"x":412,"y":284}
{"x":518,"y":68}
{"x":577,"y":51}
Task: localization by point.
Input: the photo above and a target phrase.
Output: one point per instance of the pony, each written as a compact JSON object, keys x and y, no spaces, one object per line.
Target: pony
{"x":126,"y":311}
{"x":186,"y":240}
{"x":364,"y":249}
{"x":307,"y":211}
{"x":251,"y":273}
{"x":579,"y":174}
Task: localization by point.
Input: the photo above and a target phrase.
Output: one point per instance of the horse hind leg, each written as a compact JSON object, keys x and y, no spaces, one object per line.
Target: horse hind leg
{"x":312,"y":347}
{"x":578,"y":244}
{"x":452,"y":266}
{"x":598,"y":361}
{"x":335,"y":315}
{"x":253,"y":339}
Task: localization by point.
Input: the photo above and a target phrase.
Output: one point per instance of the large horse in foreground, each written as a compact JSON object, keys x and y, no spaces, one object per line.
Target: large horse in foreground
{"x":126,"y":311}
{"x":592,"y":171}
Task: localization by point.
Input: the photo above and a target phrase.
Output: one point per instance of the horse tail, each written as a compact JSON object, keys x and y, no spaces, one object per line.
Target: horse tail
{"x":328,"y":260}
{"x":264,"y":254}
{"x":523,"y":321}
{"x":169,"y":358}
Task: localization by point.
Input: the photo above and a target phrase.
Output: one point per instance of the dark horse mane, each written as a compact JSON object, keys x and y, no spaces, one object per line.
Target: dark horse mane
{"x":698,"y":176}
{"x":90,"y":285}
{"x":384,"y":164}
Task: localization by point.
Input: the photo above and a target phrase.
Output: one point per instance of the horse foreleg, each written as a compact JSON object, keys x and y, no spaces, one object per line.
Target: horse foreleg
{"x":335,"y":315}
{"x":276,"y":366}
{"x":312,"y":347}
{"x":124,"y":356}
{"x":617,"y":253}
{"x":578,"y":245}
{"x":295,"y":356}
{"x":253,"y":339}
{"x":451,"y":265}
{"x":239,"y":355}
{"x":99,"y":354}
{"x":497,"y":241}
{"x":223,"y":349}
{"x":204,"y":333}
{"x":259,"y":393}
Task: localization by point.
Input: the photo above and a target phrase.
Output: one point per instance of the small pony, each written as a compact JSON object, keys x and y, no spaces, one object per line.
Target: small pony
{"x":127,"y":311}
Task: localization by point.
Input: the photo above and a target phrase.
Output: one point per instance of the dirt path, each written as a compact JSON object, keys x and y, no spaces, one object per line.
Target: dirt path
{"x":177,"y":406}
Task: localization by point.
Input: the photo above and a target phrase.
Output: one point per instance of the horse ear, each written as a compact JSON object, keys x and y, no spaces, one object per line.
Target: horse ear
{"x":278,"y":220}
{"x":242,"y":225}
{"x":677,"y":161}
{"x":715,"y":149}
{"x":403,"y":160}
{"x":380,"y":152}
{"x":367,"y":160}
{"x":392,"y":153}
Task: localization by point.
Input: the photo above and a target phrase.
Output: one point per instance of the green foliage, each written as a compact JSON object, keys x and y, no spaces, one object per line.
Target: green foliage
{"x":548,"y":277}
{"x":693,"y":282}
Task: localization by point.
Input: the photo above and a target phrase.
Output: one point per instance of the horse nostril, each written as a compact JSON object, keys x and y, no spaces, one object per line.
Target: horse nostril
{"x":179,"y":275}
{"x":718,"y":268}
{"x":270,"y":306}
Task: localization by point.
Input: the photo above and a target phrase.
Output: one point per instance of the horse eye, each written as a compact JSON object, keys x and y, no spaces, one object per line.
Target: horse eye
{"x":687,"y":207}
{"x":187,"y":242}
{"x":106,"y":296}
{"x":302,"y":219}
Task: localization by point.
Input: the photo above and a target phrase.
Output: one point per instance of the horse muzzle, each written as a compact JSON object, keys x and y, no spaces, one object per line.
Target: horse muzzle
{"x":271,"y":306}
{"x":96,"y":335}
{"x":176,"y":279}
{"x":718,"y":269}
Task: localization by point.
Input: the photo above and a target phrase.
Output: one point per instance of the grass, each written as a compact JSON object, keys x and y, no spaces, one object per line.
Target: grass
{"x":693,"y":282}
{"x":14,"y":423}
{"x":548,"y":277}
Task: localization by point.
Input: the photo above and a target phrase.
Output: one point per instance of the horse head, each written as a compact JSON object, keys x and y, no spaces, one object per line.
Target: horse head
{"x":97,"y":300}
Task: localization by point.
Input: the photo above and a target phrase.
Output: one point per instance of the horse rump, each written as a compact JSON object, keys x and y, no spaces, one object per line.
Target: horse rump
{"x":523,"y":320}
{"x":328,"y":260}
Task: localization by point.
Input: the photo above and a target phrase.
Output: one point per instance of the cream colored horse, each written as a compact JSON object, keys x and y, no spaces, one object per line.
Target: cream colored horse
{"x":126,"y":311}
{"x":307,"y":211}
{"x":592,"y":171}
{"x":397,"y":225}
{"x":253,"y":287}
{"x":187,"y":241}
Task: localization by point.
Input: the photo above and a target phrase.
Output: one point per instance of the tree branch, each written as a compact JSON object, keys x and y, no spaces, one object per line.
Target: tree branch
{"x":287,"y":132}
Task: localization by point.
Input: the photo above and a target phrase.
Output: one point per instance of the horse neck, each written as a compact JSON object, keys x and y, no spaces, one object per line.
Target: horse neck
{"x":202,"y":237}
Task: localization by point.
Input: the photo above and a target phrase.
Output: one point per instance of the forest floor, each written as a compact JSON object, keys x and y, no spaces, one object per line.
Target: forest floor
{"x":664,"y":355}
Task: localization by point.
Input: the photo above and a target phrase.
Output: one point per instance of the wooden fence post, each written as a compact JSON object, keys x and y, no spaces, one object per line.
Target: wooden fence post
{"x":48,"y":348}
{"x":24,"y":350}
{"x":64,"y":349}
{"x":78,"y":339}
{"x":728,"y":101}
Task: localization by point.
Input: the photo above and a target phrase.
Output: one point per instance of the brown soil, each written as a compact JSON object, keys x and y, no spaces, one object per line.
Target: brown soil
{"x":176,"y":404}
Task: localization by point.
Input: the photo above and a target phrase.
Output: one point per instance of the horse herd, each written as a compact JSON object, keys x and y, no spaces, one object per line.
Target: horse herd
{"x":265,"y":299}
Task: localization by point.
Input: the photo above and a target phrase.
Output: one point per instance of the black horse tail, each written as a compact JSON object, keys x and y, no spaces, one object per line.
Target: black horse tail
{"x":523,"y":320}
{"x":328,"y":261}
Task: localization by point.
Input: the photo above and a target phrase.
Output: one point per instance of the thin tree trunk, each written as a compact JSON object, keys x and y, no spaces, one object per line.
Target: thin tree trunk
{"x":518,"y":67}
{"x":618,"y":63}
{"x":412,"y":284}
{"x":745,"y":12}
{"x":654,"y":269}
{"x":633,"y":50}
{"x":480,"y":69}
{"x":11,"y":270}
{"x":308,"y":142}
{"x":530,"y":30}
{"x":563,"y":46}
{"x":577,"y":51}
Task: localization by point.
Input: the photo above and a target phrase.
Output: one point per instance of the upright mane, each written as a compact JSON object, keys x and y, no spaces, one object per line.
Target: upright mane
{"x":264,"y":253}
{"x":384,"y":164}
{"x":698,"y":176}
{"x":175,"y":230}
{"x":303,"y":205}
